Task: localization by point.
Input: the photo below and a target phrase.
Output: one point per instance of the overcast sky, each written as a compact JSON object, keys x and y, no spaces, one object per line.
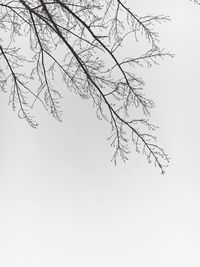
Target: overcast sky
{"x":63,"y":203}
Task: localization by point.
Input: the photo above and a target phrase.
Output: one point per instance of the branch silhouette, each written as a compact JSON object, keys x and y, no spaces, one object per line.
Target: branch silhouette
{"x":91,"y":34}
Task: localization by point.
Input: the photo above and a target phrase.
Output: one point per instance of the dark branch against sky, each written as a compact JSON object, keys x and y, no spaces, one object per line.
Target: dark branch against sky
{"x":91,"y":36}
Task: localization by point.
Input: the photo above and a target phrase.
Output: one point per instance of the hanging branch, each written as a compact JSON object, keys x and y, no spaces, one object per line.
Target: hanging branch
{"x":91,"y":34}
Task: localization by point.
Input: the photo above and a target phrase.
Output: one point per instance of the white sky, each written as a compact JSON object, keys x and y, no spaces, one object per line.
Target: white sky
{"x":62,"y":203}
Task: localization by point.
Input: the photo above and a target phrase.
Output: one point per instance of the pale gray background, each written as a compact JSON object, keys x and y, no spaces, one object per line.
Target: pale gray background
{"x":62,"y":203}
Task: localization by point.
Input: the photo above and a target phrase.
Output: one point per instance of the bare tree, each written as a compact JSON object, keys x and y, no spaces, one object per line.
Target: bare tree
{"x":90,"y":33}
